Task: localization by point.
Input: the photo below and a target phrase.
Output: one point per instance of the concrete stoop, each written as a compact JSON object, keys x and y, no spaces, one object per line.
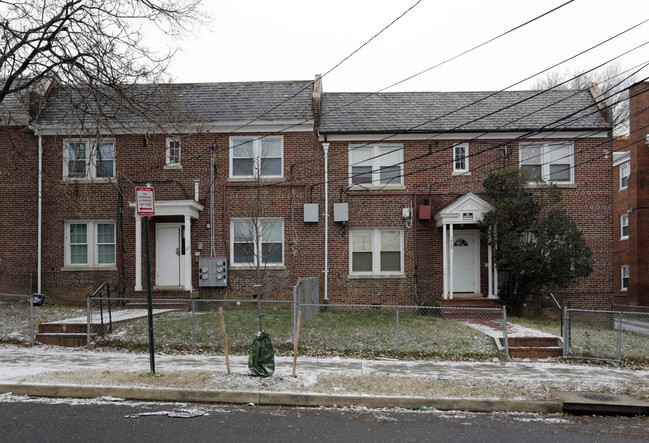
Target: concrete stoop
{"x":536,"y":348}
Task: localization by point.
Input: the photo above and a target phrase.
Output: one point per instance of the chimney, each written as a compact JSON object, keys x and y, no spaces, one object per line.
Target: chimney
{"x":317,"y":98}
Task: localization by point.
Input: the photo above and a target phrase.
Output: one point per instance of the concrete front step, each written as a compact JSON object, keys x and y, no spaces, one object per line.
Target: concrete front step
{"x":536,"y":353}
{"x":178,"y":305}
{"x":63,"y":339}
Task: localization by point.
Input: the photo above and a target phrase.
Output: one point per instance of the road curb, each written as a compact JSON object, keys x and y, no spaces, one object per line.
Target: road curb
{"x":278,"y":398}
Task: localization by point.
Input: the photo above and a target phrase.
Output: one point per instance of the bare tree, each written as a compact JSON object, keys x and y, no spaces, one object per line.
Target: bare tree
{"x":611,"y":80}
{"x":91,"y":44}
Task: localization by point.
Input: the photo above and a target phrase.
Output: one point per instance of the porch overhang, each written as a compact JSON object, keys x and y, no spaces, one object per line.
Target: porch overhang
{"x":184,"y":208}
{"x":466,"y":210}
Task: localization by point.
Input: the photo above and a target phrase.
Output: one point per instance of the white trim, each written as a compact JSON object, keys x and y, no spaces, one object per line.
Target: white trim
{"x":256,"y":252}
{"x":375,"y":159}
{"x":621,"y":168}
{"x":624,"y":216}
{"x":256,"y":157}
{"x":90,"y":160}
{"x":465,"y":169}
{"x":394,"y":136}
{"x":92,"y":246}
{"x":173,"y":164}
{"x":628,"y":275}
{"x":457,"y":212}
{"x":621,"y":157}
{"x":547,"y":147}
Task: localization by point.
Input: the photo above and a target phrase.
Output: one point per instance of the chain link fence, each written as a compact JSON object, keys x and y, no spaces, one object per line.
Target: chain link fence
{"x":194,"y":325}
{"x":606,"y":335}
{"x":18,"y":318}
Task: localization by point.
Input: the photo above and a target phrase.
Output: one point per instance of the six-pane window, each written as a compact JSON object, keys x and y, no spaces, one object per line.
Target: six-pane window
{"x":376,"y":251}
{"x":173,"y":151}
{"x":376,"y":165}
{"x":461,"y":157}
{"x":90,"y":243}
{"x":256,"y":157}
{"x":89,"y":159}
{"x":553,"y":162}
{"x":257,"y":241}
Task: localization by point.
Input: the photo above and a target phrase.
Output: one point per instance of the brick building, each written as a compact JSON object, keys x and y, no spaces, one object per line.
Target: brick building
{"x":631,"y":204}
{"x":379,"y":194}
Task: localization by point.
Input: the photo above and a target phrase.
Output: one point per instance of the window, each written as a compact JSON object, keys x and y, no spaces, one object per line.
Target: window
{"x":378,"y":165}
{"x":376,"y":251}
{"x":257,"y":243}
{"x":624,"y":226}
{"x":90,"y":243}
{"x":252,"y":157}
{"x":625,"y":171}
{"x":551,"y":162}
{"x":172,"y":156}
{"x":624,"y":271}
{"x":89,"y":159}
{"x":461,"y":158}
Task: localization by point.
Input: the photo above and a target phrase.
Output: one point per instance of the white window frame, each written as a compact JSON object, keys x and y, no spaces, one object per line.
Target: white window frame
{"x":171,"y":162}
{"x":625,"y":172}
{"x":376,"y":252}
{"x":90,"y":169}
{"x":624,"y":223}
{"x":376,"y":157}
{"x":257,"y":156}
{"x":624,"y":274}
{"x":92,"y":244}
{"x":543,"y":159}
{"x":461,"y":155}
{"x":257,"y":247}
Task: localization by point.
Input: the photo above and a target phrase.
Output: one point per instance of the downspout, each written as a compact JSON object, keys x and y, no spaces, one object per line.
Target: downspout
{"x":325,"y":147}
{"x":40,"y":214}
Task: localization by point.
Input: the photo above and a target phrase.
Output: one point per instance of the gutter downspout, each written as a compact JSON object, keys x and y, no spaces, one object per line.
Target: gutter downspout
{"x":325,"y":147}
{"x":40,"y":214}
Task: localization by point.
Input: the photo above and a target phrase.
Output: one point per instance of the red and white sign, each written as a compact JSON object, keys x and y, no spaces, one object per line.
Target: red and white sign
{"x":144,"y":201}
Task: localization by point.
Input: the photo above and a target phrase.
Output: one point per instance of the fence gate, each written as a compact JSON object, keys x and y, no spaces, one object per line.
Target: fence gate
{"x":305,"y":292}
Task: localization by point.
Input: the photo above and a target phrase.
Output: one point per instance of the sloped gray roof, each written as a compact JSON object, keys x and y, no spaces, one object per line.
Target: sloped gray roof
{"x":14,"y":109}
{"x":416,"y":112}
{"x":193,"y":103}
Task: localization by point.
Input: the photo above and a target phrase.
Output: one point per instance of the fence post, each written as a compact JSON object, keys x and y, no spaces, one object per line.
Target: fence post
{"x":505,"y":338}
{"x":619,"y":336}
{"x":193,"y":323}
{"x":89,"y":309}
{"x":566,"y":332}
{"x":31,"y":320}
{"x":296,"y":304}
{"x":397,"y":329}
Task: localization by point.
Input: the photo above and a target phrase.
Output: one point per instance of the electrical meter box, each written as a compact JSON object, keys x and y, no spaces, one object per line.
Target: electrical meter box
{"x":212,"y":272}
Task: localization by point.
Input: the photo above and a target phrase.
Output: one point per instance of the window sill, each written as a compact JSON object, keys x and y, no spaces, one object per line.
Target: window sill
{"x":88,"y":268}
{"x":374,"y":276}
{"x":460,"y":173}
{"x":67,"y":180}
{"x":173,"y":166}
{"x":252,"y":268}
{"x":624,"y":238}
{"x":255,"y":180}
{"x":559,"y":185}
{"x":377,"y":188}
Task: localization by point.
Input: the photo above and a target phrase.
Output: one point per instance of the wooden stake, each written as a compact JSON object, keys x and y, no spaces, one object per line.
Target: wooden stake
{"x":225,"y":340}
{"x":297,"y":340}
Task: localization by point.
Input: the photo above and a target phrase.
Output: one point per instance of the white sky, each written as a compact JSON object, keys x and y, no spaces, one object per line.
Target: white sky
{"x":252,"y":40}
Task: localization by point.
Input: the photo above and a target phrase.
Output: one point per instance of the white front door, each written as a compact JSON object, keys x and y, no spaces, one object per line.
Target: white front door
{"x":170,"y":266}
{"x":465,"y":263}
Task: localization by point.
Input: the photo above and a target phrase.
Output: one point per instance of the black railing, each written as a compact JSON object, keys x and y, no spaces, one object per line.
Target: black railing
{"x":102,"y":328}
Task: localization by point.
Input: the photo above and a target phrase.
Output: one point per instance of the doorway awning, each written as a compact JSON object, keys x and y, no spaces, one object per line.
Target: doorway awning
{"x":468,"y":209}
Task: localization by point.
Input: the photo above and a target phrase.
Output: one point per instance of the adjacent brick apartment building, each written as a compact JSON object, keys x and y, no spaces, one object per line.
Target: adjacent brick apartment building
{"x":631,"y":204}
{"x":379,"y":194}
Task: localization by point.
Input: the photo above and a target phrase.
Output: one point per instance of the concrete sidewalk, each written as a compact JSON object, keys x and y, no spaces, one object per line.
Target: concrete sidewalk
{"x":24,"y":371}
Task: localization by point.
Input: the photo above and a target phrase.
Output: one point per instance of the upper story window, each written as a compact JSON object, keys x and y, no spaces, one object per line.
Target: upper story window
{"x":624,"y":226}
{"x":625,"y":171}
{"x":552,"y":162}
{"x":461,"y":157}
{"x":89,"y":159}
{"x":377,"y":165}
{"x":252,"y":157}
{"x":376,"y":251}
{"x":257,"y":241}
{"x":90,"y":243}
{"x":173,"y":151}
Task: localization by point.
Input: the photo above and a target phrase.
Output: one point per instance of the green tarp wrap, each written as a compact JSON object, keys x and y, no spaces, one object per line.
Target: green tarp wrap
{"x":262,"y":358}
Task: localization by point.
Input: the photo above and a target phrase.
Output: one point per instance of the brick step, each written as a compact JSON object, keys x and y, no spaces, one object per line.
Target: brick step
{"x":471,"y":303}
{"x":533,"y":342}
{"x":65,"y":339}
{"x":163,"y":294}
{"x":68,"y":328}
{"x":535,"y":352}
{"x":157,"y":304}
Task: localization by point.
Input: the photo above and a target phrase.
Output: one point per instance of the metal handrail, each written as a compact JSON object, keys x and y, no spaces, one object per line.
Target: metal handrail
{"x":101,"y":307}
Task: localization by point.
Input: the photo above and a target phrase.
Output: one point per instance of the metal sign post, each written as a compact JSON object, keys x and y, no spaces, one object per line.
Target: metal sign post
{"x":145,"y":205}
